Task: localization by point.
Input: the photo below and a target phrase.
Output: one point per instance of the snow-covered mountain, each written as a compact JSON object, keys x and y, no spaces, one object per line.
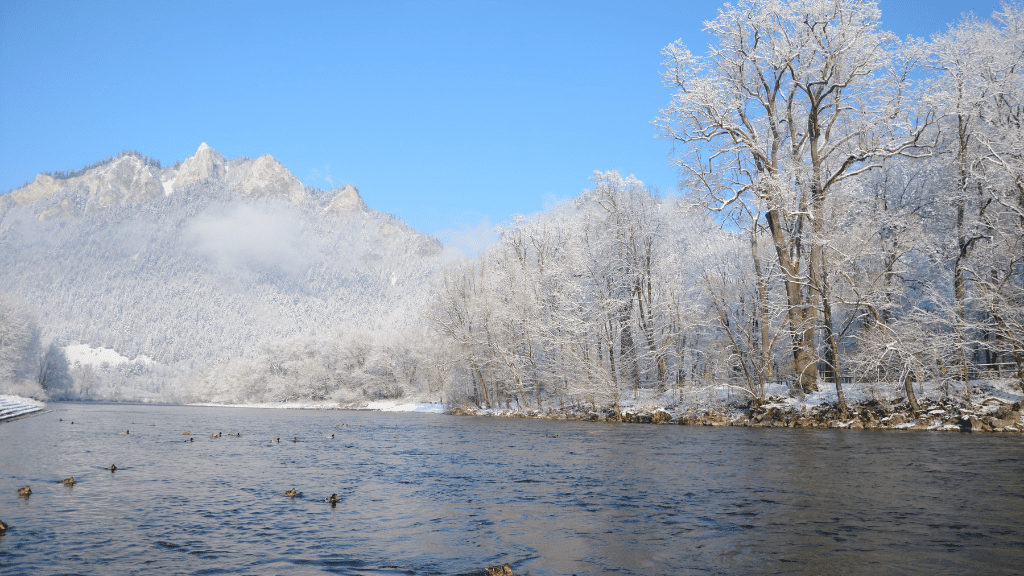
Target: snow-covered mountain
{"x":206,"y":261}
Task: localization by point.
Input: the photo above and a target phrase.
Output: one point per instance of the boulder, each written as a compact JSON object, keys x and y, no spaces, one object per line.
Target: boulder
{"x":660,"y":417}
{"x":971,"y":424}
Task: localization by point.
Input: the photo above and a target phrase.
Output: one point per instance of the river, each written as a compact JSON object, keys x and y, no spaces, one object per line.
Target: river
{"x":430,"y":494}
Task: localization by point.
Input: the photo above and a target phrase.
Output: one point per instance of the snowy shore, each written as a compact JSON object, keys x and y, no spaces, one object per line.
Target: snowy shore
{"x":994,"y":406}
{"x":12,"y":407}
{"x":378,"y":405}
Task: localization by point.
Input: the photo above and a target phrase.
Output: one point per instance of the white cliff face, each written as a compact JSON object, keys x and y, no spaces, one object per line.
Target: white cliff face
{"x":127,"y":179}
{"x":205,"y":164}
{"x":346,"y":199}
{"x":267,"y":178}
{"x":130,"y":179}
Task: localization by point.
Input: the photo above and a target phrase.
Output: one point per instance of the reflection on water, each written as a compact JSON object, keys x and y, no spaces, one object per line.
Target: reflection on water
{"x":427,"y":494}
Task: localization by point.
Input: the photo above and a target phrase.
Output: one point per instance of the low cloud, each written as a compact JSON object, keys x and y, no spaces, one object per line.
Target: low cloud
{"x":246,"y":238}
{"x":469,"y":241}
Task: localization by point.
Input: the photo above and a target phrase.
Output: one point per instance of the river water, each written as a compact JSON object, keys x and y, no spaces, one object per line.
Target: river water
{"x":430,"y":494}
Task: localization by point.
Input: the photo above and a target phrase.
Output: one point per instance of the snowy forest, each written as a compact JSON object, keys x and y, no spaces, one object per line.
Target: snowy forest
{"x":850,"y":214}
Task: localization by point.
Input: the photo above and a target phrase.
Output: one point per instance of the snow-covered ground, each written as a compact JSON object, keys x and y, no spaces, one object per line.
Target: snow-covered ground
{"x":14,"y":406}
{"x":873,"y":405}
{"x":88,"y":356}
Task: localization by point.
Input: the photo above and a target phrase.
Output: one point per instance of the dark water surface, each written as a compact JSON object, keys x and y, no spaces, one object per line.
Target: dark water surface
{"x":429,"y":494}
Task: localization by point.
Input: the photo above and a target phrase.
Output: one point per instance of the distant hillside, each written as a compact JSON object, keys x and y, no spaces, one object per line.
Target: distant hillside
{"x":205,"y":261}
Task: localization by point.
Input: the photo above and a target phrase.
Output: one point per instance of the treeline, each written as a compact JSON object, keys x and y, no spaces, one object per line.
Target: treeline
{"x":68,"y":174}
{"x":853,"y":212}
{"x":27,"y":367}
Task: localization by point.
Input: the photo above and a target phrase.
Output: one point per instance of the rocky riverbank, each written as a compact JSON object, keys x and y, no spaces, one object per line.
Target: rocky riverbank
{"x":946,"y":415}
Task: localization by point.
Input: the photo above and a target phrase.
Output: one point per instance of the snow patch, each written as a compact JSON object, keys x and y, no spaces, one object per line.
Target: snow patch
{"x":86,"y":355}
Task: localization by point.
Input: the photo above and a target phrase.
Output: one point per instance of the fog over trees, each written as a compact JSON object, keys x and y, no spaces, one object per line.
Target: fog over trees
{"x":851,"y":212}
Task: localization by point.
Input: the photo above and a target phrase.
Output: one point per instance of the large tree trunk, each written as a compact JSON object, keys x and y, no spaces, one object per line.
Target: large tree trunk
{"x":800,"y":315}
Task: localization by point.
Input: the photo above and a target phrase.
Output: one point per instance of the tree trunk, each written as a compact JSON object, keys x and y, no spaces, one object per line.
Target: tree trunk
{"x":908,"y":385}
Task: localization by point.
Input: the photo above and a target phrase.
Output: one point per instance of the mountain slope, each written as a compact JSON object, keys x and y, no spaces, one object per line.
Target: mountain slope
{"x":206,"y":261}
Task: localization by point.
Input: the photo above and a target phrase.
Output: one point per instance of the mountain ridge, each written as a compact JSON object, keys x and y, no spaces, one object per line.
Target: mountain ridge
{"x":130,"y":178}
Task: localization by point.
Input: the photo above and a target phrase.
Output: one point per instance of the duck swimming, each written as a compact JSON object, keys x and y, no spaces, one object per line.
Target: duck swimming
{"x":26,"y":491}
{"x":333,"y":499}
{"x":217,"y":435}
{"x":113,"y":468}
{"x":69,"y":482}
{"x":291,"y":493}
{"x":294,"y":439}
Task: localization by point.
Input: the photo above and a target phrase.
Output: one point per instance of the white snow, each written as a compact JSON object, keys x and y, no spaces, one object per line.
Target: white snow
{"x":88,"y":356}
{"x":14,"y":406}
{"x":168,"y":186}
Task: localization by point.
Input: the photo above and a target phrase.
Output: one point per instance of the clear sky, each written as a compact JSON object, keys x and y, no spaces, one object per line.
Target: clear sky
{"x":453,"y":115}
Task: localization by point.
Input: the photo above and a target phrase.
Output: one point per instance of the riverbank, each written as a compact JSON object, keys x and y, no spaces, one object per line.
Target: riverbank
{"x":994,"y":406}
{"x":14,"y":407}
{"x":377,"y":406}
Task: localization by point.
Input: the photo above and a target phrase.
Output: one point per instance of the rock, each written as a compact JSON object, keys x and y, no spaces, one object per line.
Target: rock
{"x":505,"y":570}
{"x":857,"y":426}
{"x":660,"y":417}
{"x":971,"y":424}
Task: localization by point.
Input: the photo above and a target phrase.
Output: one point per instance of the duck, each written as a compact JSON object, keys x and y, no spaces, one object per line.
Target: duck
{"x":217,"y":435}
{"x":295,"y":439}
{"x":331,"y":436}
{"x":25,"y":491}
{"x":113,"y":468}
{"x":278,"y":441}
{"x":69,"y":482}
{"x":333,"y":499}
{"x":190,"y":440}
{"x":186,"y":433}
{"x":127,"y":432}
{"x":3,"y":527}
{"x":236,"y":435}
{"x":291,"y":493}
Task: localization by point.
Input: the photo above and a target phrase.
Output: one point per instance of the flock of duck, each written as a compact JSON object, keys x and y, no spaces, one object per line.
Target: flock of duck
{"x":333,"y":499}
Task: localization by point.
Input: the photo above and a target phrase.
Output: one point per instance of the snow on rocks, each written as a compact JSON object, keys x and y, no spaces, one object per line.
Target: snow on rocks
{"x":995,"y":406}
{"x":15,"y":406}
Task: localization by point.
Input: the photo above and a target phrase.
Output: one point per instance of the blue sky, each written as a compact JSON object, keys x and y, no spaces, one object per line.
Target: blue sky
{"x":452,"y":115}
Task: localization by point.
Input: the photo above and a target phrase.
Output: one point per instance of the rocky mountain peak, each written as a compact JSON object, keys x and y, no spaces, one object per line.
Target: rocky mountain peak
{"x":346,"y":199}
{"x":267,"y":178}
{"x":205,"y":164}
